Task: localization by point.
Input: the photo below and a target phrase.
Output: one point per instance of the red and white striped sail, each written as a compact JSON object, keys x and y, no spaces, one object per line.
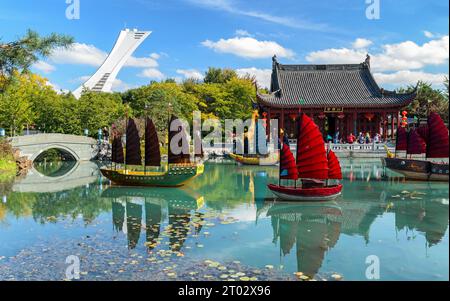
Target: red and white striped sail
{"x":288,"y":169}
{"x":334,"y":167}
{"x":312,"y":159}
{"x":437,"y":137}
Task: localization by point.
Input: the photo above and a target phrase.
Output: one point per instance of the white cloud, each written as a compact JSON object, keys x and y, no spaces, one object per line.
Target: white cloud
{"x":121,"y":86}
{"x":393,"y":57}
{"x":44,"y":67}
{"x":79,"y":54}
{"x":242,"y":33}
{"x":249,"y":48}
{"x":191,"y":73}
{"x":428,"y":34}
{"x":141,"y":62}
{"x":56,"y":88}
{"x":152,"y":73}
{"x":262,"y":76}
{"x":361,"y":43}
{"x":407,"y":77}
{"x":230,"y":7}
{"x":155,"y":56}
{"x":85,"y":54}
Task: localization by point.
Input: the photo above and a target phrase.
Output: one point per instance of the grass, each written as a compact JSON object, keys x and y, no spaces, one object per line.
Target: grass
{"x":7,"y":163}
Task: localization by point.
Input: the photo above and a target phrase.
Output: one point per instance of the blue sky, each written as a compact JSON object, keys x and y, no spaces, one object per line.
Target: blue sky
{"x":408,"y":42}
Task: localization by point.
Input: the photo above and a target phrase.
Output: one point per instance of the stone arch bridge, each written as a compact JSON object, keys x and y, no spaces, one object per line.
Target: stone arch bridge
{"x":81,"y":148}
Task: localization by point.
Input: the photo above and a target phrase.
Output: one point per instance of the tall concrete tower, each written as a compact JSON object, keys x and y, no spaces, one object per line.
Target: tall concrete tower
{"x":102,"y":80}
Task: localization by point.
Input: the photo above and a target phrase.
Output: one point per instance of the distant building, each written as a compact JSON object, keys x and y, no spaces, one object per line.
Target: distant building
{"x":102,"y":81}
{"x":340,"y":97}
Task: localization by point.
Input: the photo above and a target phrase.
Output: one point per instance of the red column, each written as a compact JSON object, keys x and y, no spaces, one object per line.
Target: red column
{"x":392,"y":125}
{"x":355,"y":120}
{"x":384,"y":126}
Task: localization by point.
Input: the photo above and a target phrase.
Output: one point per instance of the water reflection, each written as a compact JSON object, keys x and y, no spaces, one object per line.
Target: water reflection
{"x":310,"y":233}
{"x":130,"y":204}
{"x":54,"y":169}
{"x":312,"y":228}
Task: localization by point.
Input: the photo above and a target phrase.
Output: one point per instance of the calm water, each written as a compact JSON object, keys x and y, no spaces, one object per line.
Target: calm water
{"x":224,"y":225}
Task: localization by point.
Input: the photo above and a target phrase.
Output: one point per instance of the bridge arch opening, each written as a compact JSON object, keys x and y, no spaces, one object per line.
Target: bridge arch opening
{"x":54,"y":162}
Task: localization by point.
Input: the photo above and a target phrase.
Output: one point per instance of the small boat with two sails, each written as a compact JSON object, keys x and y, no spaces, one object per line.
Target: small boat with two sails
{"x":314,"y":166}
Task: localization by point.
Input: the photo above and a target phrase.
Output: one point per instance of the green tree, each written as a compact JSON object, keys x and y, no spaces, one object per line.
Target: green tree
{"x":160,"y":100}
{"x":446,"y":88}
{"x":58,"y":114}
{"x":427,"y":100}
{"x":21,"y":54}
{"x":98,"y":110}
{"x":16,"y":109}
{"x":218,"y":75}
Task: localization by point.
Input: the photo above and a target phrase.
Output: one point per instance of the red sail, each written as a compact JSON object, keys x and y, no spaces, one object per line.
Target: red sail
{"x":133,"y":146}
{"x":312,"y":160}
{"x":416,"y":144}
{"x":288,"y":169}
{"x":152,"y":152}
{"x":334,"y":171}
{"x":182,"y":157}
{"x":402,"y":138}
{"x":423,"y":132}
{"x":437,"y":137}
{"x":117,"y":151}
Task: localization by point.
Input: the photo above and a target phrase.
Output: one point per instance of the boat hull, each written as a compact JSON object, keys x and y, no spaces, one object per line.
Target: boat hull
{"x":420,"y":170}
{"x":176,"y":175}
{"x":306,"y":194}
{"x":266,"y":161}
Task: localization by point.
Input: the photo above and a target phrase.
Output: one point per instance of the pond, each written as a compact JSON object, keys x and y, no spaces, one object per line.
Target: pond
{"x":224,"y":225}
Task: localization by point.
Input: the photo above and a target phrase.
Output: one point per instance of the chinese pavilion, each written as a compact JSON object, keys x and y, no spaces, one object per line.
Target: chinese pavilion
{"x":342,"y":98}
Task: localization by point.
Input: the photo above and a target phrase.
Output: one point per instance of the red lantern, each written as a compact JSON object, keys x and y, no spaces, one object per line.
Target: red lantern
{"x":369,"y":116}
{"x":341,"y":116}
{"x":404,"y":119}
{"x":292,"y":116}
{"x":321,"y":115}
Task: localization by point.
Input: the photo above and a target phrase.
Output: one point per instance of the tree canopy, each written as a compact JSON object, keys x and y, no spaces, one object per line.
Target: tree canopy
{"x":19,"y":55}
{"x":428,"y":100}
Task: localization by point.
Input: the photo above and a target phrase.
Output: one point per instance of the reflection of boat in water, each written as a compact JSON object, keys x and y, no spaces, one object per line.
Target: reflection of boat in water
{"x":309,"y":227}
{"x":431,"y":140}
{"x":314,"y":166}
{"x":130,"y":204}
{"x":314,"y":228}
{"x":178,"y":170}
{"x":257,"y":158}
{"x":268,"y":160}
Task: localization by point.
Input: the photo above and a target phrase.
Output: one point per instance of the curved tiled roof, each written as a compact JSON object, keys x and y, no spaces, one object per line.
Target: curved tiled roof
{"x":343,"y":85}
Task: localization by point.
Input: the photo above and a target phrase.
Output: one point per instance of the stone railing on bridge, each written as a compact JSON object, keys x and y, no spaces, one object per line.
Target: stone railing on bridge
{"x":81,"y":148}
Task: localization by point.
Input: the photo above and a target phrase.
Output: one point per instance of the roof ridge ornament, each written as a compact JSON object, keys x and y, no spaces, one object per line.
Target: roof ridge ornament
{"x":367,"y":60}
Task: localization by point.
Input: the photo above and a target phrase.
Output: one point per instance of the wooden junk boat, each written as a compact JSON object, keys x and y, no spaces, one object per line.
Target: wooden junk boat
{"x":430,"y":139}
{"x":315,"y":167}
{"x":257,"y":158}
{"x":178,"y":170}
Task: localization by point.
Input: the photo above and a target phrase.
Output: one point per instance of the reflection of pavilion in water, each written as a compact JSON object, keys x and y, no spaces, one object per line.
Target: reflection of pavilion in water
{"x":128,"y":208}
